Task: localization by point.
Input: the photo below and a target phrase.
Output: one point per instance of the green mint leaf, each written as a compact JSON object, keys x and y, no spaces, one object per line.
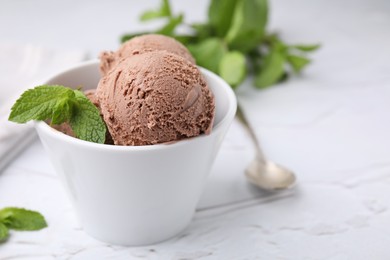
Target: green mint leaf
{"x":306,"y":48}
{"x":61,"y":104}
{"x":86,"y":121}
{"x":273,"y":40}
{"x":297,"y":62}
{"x":38,"y":103}
{"x":232,"y":68}
{"x":163,"y":11}
{"x":202,"y":31}
{"x":248,"y":25}
{"x":255,"y":58}
{"x":220,"y":15}
{"x":272,"y":69}
{"x":208,"y":53}
{"x":150,"y":15}
{"x":3,"y":232}
{"x":184,"y":39}
{"x":170,"y":27}
{"x":63,"y":109}
{"x":22,"y":219}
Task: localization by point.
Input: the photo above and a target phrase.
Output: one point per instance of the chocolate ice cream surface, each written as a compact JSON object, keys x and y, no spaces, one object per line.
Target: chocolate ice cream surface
{"x":140,"y":45}
{"x":155,"y":97}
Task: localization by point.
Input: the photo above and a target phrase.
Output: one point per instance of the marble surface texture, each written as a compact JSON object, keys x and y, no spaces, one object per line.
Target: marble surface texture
{"x":331,"y":125}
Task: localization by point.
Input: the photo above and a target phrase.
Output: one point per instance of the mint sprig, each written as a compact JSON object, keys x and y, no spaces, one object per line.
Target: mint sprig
{"x":19,"y":219}
{"x":235,"y":29}
{"x":60,"y":104}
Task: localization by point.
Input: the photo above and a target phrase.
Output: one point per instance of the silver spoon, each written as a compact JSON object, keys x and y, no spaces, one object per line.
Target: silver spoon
{"x":261,"y":172}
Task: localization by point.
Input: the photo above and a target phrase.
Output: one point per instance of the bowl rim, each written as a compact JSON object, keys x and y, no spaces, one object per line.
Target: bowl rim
{"x":44,"y":128}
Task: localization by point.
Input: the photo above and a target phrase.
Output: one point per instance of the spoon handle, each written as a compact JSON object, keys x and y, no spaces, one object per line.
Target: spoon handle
{"x":244,"y":121}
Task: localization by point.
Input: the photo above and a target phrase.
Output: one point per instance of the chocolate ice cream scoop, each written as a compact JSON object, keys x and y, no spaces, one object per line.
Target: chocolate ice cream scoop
{"x":142,"y":44}
{"x":155,"y":97}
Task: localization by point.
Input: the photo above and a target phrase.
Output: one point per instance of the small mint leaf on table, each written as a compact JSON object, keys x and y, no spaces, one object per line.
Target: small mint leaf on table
{"x":22,"y":219}
{"x":3,"y":232}
{"x":86,"y":122}
{"x":232,"y":68}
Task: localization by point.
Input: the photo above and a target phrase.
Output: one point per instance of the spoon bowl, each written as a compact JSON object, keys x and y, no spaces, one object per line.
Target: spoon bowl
{"x":269,"y":175}
{"x":265,"y":174}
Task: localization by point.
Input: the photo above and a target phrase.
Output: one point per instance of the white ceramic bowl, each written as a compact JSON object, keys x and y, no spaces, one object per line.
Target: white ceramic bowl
{"x":135,"y":195}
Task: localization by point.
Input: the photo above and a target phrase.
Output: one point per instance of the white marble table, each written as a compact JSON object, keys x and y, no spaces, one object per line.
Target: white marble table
{"x":331,"y":125}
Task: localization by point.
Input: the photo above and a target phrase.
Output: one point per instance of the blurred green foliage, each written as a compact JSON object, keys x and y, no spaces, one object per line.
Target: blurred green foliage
{"x":234,"y":41}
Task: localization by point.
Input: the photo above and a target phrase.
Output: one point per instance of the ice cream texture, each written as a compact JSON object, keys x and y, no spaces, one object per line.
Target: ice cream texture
{"x":155,"y":97}
{"x":140,"y":45}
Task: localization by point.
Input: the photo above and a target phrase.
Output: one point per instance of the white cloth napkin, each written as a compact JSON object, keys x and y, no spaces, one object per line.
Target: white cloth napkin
{"x":23,"y":67}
